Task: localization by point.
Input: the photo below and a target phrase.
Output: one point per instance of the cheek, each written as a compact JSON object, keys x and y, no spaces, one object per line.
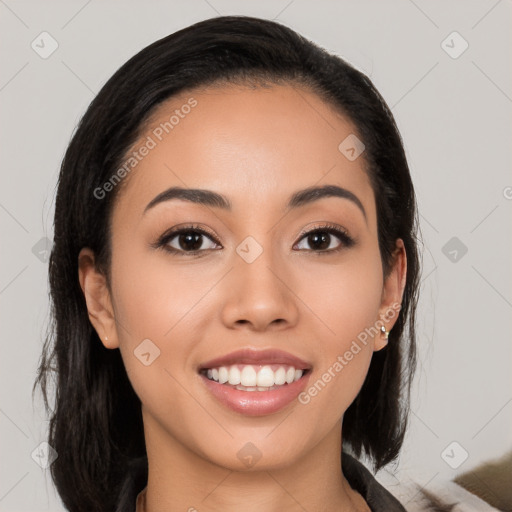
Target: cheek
{"x":336,"y":384}
{"x":153,"y":298}
{"x":152,"y":307}
{"x":344,"y":297}
{"x":345,"y":301}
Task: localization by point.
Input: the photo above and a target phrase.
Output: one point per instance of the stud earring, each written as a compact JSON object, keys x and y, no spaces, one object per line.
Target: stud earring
{"x":386,"y":333}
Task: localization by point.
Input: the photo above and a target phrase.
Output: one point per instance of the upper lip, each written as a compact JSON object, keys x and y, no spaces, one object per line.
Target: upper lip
{"x":260,"y":357}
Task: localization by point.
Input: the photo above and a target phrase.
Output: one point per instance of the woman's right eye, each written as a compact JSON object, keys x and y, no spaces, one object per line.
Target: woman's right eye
{"x":185,"y":240}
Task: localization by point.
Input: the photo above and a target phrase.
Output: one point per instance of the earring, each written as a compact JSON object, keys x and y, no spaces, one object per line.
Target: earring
{"x":106,"y":338}
{"x":386,"y":333}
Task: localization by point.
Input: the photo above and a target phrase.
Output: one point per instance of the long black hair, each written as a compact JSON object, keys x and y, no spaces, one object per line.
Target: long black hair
{"x":96,"y":423}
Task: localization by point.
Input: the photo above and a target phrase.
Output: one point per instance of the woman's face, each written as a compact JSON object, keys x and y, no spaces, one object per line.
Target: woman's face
{"x":256,"y":281}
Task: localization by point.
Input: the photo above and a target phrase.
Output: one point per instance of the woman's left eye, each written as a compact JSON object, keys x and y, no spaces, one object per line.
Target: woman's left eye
{"x":321,"y":239}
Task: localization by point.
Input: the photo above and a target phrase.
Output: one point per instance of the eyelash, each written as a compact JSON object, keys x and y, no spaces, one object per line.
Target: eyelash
{"x":346,"y":240}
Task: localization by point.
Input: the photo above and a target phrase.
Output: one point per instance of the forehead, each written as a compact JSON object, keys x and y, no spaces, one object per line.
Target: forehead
{"x":254,"y":145}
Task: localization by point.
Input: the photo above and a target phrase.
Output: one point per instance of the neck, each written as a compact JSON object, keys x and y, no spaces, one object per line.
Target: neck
{"x":180,"y":479}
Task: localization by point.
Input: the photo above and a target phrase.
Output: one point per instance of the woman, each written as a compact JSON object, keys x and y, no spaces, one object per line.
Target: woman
{"x":234,"y":281}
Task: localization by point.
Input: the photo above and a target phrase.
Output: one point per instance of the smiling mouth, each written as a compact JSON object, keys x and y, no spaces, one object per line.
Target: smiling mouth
{"x":251,"y":377}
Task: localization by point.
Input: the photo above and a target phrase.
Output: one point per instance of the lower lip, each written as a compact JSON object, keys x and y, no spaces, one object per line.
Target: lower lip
{"x":256,"y":403}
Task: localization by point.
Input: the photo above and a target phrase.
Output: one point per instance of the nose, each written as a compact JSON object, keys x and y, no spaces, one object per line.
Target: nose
{"x":259,"y":295}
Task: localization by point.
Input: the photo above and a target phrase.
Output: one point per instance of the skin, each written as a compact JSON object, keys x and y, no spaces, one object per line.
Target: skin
{"x":256,"y":146}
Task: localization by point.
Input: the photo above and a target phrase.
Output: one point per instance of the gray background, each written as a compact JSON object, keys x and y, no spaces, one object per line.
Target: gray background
{"x":455,"y":118}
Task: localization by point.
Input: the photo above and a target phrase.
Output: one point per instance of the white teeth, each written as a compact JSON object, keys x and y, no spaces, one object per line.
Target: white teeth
{"x":248,"y":376}
{"x":266,"y":377}
{"x":280,"y":376}
{"x":234,"y":375}
{"x":253,"y":377}
{"x":243,"y":388}
{"x":290,"y":375}
{"x":255,"y":388}
{"x":223,"y":374}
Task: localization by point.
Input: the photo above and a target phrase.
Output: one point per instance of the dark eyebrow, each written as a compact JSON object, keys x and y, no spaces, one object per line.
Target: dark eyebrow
{"x":216,"y":200}
{"x":194,"y":195}
{"x":308,"y":195}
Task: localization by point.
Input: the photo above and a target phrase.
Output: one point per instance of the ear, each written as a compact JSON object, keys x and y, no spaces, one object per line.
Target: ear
{"x":97,"y":297}
{"x":392,"y":293}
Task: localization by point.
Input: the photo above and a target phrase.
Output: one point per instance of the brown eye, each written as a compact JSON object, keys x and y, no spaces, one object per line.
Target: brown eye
{"x":187,"y":240}
{"x":190,"y":241}
{"x":319,"y":240}
{"x":323,"y":239}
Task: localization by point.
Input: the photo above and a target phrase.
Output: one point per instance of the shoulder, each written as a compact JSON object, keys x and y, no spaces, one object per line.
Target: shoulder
{"x":434,"y":494}
{"x":362,"y":480}
{"x":441,"y":496}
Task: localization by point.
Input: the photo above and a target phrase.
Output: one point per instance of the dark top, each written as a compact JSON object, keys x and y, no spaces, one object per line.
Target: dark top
{"x":357,"y":475}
